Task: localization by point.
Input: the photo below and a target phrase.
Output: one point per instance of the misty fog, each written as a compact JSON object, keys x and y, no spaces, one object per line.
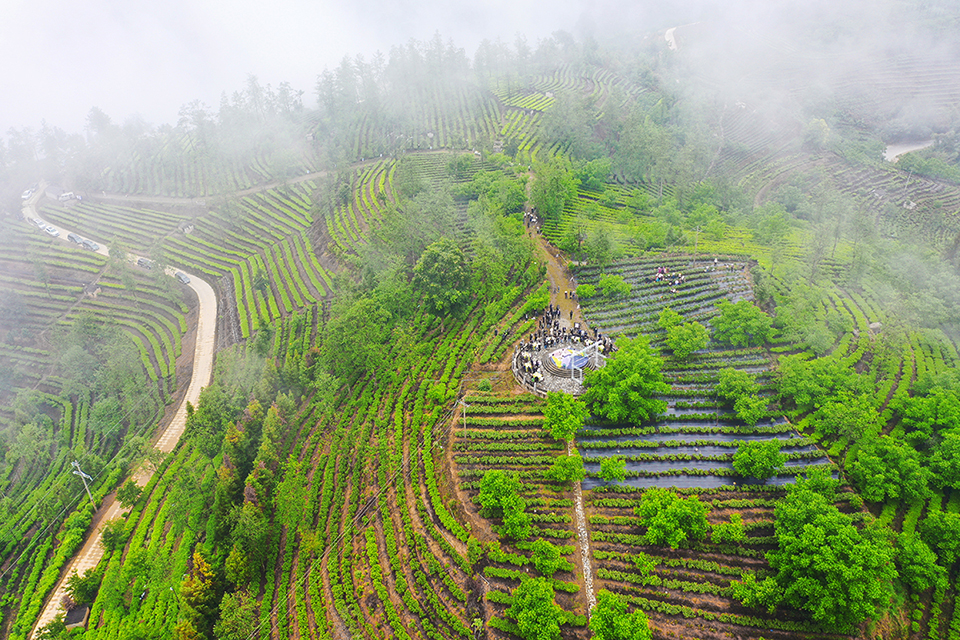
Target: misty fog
{"x":310,"y":277}
{"x":148,"y":59}
{"x":61,"y":58}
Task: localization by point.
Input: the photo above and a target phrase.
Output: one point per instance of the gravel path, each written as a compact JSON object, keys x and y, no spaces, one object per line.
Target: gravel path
{"x":583,"y":540}
{"x":560,"y":279}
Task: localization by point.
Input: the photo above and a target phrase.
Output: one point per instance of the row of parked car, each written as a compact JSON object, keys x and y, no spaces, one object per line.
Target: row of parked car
{"x":83,"y":242}
{"x":72,"y":237}
{"x":48,"y":228}
{"x":146,"y":263}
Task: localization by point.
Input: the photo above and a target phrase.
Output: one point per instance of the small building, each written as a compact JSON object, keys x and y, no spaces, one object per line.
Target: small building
{"x":77,"y":616}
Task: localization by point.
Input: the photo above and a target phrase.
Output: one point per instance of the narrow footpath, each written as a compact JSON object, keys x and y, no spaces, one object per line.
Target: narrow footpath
{"x":562,"y":286}
{"x":92,"y":551}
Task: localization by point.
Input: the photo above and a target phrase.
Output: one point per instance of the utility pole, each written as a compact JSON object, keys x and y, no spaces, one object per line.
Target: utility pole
{"x":696,"y":244}
{"x":463,"y":416}
{"x":77,"y":472}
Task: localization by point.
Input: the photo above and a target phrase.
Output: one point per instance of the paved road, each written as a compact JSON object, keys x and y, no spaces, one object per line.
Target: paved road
{"x":92,"y":551}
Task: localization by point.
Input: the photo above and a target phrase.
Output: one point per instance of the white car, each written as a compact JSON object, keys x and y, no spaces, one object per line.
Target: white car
{"x":40,"y":223}
{"x":52,"y":231}
{"x":26,"y":194}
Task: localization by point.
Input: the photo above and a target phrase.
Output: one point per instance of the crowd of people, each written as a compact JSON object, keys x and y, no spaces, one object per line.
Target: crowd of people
{"x":549,"y":334}
{"x":530,"y":219}
{"x":665,"y":276}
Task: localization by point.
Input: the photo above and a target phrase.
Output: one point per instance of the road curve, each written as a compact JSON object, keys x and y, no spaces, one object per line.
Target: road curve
{"x":92,"y":551}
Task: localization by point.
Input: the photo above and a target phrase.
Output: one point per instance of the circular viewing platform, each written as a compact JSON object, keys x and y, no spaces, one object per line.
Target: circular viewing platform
{"x":558,"y":364}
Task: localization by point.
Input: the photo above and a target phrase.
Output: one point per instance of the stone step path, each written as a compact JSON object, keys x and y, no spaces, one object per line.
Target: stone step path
{"x":583,"y":541}
{"x":560,"y":282}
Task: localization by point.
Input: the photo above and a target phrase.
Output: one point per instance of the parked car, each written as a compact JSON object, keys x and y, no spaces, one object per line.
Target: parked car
{"x":51,"y":230}
{"x":146,"y":264}
{"x":72,"y":237}
{"x":183,"y":278}
{"x":26,"y":194}
{"x":63,"y":197}
{"x":90,"y":244}
{"x":40,"y":223}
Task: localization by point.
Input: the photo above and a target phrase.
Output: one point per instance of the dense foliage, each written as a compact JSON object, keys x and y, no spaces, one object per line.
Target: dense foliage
{"x":311,"y":494}
{"x":564,"y":415}
{"x":625,"y":389}
{"x":672,"y":520}
{"x":842,"y":574}
{"x":758,"y":459}
{"x":538,"y":616}
{"x":610,"y":620}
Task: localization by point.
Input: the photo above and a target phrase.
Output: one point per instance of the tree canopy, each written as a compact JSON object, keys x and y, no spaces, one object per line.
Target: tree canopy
{"x":811,"y":383}
{"x":750,"y":408}
{"x":614,"y":286}
{"x":500,"y":497}
{"x":930,"y":411}
{"x":609,"y":620}
{"x":848,"y":415}
{"x":671,"y":520}
{"x":546,"y":557}
{"x":83,"y":588}
{"x":918,"y":564}
{"x":684,"y":339}
{"x":941,"y":531}
{"x":734,"y":383}
{"x":625,"y":389}
{"x":839,"y":573}
{"x":945,"y":461}
{"x":741,"y":324}
{"x":443,"y":276}
{"x":113,"y":533}
{"x":129,"y":493}
{"x":887,"y":469}
{"x":760,"y":459}
{"x":553,"y":186}
{"x":496,"y":487}
{"x":669,"y":318}
{"x":355,"y":336}
{"x":567,"y":468}
{"x":538,"y":616}
{"x":564,"y":415}
{"x":238,"y":616}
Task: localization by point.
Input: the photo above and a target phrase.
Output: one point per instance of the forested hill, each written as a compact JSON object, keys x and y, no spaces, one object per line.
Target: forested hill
{"x":769,"y":451}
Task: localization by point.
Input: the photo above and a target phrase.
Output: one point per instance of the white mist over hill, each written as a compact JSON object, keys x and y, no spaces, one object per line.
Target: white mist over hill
{"x":60,"y":58}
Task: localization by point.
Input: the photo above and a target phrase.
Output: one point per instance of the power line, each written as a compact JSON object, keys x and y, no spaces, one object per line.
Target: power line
{"x":360,"y":513}
{"x":84,"y":458}
{"x":71,"y":503}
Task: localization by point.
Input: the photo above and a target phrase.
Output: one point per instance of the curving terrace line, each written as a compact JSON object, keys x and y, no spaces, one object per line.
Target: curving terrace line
{"x":92,"y":551}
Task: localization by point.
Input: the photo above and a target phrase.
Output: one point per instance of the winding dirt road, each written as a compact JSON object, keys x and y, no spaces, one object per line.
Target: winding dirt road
{"x":92,"y":551}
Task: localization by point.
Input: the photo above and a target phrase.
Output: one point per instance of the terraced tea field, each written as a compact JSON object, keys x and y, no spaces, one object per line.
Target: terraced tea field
{"x":506,"y":433}
{"x":690,"y":448}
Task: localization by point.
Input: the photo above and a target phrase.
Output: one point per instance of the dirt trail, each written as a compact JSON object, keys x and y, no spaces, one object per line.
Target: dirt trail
{"x":563,"y":285}
{"x":92,"y":551}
